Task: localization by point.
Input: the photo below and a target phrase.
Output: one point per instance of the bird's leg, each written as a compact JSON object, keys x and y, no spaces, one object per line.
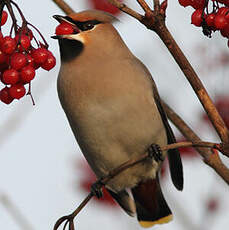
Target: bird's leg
{"x":155,"y":152}
{"x":96,"y":189}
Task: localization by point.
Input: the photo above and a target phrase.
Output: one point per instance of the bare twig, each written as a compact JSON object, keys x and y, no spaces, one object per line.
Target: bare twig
{"x":144,"y":5}
{"x":64,"y":6}
{"x":130,"y":163}
{"x":210,"y":158}
{"x":123,"y":7}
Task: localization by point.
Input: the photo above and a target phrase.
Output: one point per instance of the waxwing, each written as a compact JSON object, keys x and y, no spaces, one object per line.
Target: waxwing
{"x":114,"y":110}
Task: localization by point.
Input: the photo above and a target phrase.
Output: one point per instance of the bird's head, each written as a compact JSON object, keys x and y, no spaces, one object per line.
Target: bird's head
{"x":90,"y":26}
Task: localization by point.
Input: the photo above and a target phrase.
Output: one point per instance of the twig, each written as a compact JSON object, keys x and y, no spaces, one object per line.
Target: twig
{"x":210,"y":158}
{"x":156,"y":21}
{"x":130,"y":163}
{"x":64,"y":6}
{"x":144,"y":5}
{"x":123,"y":7}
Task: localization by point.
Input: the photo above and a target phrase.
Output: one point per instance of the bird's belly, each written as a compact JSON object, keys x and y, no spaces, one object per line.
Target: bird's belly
{"x":110,"y":133}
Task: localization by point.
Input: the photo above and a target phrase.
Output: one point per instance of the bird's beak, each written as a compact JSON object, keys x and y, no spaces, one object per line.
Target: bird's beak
{"x":68,"y":20}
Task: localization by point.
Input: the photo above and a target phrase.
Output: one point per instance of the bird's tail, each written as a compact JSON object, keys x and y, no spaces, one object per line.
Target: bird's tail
{"x":151,"y":206}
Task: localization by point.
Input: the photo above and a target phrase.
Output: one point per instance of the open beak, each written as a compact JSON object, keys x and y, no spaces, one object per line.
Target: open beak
{"x":66,"y":19}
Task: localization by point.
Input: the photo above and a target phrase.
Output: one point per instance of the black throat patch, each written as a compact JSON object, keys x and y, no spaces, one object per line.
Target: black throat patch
{"x":70,"y":49}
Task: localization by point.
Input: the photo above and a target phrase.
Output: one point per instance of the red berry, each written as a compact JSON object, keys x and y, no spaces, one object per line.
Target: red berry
{"x":10,"y":76}
{"x":40,"y":55}
{"x":225,"y":31}
{"x":50,"y":63}
{"x":222,"y":10}
{"x":5,"y":96}
{"x":197,"y":17}
{"x":18,"y":60}
{"x":220,"y":22}
{"x":2,"y":57}
{"x":24,"y":42}
{"x":198,"y":4}
{"x":26,"y":31}
{"x":1,"y":37}
{"x":4,"y":17}
{"x":30,"y":60}
{"x":8,"y":45}
{"x":210,"y":19}
{"x":17,"y":91}
{"x":104,"y":5}
{"x":27,"y":74}
{"x":64,"y":28}
{"x":185,"y":3}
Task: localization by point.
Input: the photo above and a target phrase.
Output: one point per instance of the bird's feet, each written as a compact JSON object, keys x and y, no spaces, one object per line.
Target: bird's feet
{"x":96,"y":189}
{"x":155,"y":152}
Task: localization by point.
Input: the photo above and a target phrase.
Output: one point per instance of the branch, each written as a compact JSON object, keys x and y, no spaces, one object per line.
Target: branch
{"x":155,"y":20}
{"x":123,"y":7}
{"x":128,"y":164}
{"x":64,"y":6}
{"x":210,"y":158}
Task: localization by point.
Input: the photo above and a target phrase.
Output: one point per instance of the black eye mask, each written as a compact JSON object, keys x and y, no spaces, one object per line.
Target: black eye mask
{"x":83,"y":26}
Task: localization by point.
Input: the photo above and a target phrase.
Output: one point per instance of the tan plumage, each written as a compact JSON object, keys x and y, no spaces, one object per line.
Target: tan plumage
{"x":108,"y":97}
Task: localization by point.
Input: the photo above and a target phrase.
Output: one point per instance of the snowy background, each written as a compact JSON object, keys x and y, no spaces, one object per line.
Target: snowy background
{"x":41,"y":164}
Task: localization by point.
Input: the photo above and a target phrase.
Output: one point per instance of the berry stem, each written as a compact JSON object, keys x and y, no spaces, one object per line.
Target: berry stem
{"x":46,"y":44}
{"x":30,"y":94}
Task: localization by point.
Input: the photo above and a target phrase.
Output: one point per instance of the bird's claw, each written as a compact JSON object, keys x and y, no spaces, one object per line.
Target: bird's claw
{"x":155,"y":152}
{"x":96,"y":189}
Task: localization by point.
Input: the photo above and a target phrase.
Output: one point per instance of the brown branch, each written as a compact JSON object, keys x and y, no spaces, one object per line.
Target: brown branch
{"x":123,"y":7}
{"x":210,"y":158}
{"x":144,"y":5}
{"x":155,"y":20}
{"x":130,"y":163}
{"x":64,"y":6}
{"x":195,"y":82}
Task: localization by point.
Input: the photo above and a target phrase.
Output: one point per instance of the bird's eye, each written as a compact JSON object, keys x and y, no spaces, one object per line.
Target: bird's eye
{"x":88,"y":26}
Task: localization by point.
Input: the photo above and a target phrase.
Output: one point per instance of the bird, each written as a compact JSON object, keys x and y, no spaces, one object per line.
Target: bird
{"x":115,"y":113}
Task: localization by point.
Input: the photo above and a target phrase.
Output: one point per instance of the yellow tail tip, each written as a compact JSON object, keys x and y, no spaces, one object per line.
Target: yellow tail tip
{"x":163,"y":220}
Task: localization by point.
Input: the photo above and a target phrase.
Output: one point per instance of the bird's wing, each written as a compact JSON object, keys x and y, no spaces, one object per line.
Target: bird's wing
{"x":175,"y":163}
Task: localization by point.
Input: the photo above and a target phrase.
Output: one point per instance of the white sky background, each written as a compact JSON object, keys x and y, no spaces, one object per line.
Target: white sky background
{"x":38,"y":153}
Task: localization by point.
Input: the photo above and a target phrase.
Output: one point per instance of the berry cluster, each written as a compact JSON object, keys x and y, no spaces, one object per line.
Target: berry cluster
{"x":216,"y":19}
{"x":21,"y":54}
{"x":104,"y":5}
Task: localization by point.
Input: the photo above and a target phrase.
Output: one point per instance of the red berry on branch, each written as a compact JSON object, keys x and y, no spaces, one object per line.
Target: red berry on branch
{"x":64,"y":28}
{"x":17,"y":91}
{"x":185,"y":3}
{"x":198,"y":4}
{"x":220,"y":22}
{"x":197,"y":17}
{"x":24,"y":42}
{"x":1,"y":37}
{"x":104,"y":5}
{"x":5,"y":96}
{"x":8,"y":45}
{"x":225,"y":31}
{"x":26,"y":31}
{"x":4,"y":17}
{"x":50,"y":63}
{"x":10,"y":76}
{"x":30,"y":60}
{"x":27,"y":74}
{"x":210,"y":19}
{"x":222,"y":10}
{"x":18,"y":60}
{"x":2,"y":57}
{"x":40,"y":55}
